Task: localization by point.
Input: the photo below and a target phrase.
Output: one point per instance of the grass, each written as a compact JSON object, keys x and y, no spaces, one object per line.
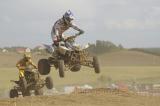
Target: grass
{"x":88,"y":76}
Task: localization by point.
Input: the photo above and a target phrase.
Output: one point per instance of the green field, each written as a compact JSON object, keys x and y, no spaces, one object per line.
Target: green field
{"x":87,"y":76}
{"x":122,"y":66}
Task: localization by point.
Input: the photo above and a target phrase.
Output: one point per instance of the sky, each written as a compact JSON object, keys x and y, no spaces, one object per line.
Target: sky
{"x":132,"y":23}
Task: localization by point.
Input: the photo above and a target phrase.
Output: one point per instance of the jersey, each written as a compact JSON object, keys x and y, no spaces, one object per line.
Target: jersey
{"x":25,"y":64}
{"x":60,"y":27}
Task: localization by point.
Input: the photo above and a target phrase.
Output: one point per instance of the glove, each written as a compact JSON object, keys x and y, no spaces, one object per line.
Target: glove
{"x":80,"y":32}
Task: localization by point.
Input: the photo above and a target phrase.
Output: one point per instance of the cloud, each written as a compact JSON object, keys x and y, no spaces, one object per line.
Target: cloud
{"x":154,"y":13}
{"x":132,"y":24}
{"x":116,"y":2}
{"x":6,"y":19}
{"x":104,"y":17}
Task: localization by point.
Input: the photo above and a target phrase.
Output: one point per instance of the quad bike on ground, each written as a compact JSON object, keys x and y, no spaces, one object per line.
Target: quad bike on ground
{"x":31,"y":81}
{"x":68,"y":59}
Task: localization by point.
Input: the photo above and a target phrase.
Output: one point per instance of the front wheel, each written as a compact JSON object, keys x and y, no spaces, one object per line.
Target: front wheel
{"x":61,"y":68}
{"x":44,"y":67}
{"x":49,"y":83}
{"x":96,"y":64}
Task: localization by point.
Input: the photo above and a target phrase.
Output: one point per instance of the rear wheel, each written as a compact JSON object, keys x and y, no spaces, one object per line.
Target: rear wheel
{"x":44,"y":67}
{"x":49,"y":83}
{"x":61,"y":68}
{"x":13,"y":93}
{"x":76,"y":68}
{"x":96,"y":64}
{"x":39,"y":92}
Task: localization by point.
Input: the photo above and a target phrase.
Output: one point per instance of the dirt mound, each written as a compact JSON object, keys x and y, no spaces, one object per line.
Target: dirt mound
{"x":96,"y":97}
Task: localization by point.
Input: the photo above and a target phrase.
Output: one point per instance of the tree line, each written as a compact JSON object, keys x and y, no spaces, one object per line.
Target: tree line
{"x":99,"y":47}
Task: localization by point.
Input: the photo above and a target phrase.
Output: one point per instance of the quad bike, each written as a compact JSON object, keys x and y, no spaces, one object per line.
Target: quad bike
{"x":68,"y":59}
{"x":31,"y":81}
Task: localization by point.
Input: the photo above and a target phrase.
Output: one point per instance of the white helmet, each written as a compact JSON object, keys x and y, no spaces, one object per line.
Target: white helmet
{"x":68,"y":16}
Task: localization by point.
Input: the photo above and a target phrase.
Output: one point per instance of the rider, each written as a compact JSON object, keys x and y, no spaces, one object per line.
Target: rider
{"x":61,"y":26}
{"x":24,"y":63}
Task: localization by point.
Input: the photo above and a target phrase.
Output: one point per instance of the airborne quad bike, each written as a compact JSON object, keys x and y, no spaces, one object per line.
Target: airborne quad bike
{"x":31,"y":81}
{"x":68,"y":59}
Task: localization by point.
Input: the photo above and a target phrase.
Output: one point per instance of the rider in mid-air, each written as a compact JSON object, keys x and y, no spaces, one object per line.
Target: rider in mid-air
{"x":61,"y":26}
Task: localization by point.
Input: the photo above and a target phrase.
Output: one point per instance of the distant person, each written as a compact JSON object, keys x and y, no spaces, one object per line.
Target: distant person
{"x":25,"y":63}
{"x":61,"y":26}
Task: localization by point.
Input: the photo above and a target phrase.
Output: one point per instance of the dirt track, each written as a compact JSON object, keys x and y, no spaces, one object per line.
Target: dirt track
{"x":98,"y":98}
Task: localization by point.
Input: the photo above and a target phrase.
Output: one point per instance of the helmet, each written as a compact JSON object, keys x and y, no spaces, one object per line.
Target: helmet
{"x":27,"y":56}
{"x":68,"y":16}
